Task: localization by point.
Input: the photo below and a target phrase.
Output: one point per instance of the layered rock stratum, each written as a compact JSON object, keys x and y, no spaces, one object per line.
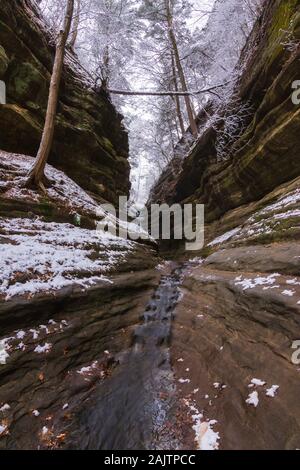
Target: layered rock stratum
{"x":90,"y":142}
{"x":104,"y":345}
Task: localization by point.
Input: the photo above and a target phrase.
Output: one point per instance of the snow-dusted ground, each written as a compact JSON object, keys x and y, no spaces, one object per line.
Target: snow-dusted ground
{"x":37,"y":256}
{"x":40,"y":256}
{"x":34,"y":339}
{"x":63,"y":191}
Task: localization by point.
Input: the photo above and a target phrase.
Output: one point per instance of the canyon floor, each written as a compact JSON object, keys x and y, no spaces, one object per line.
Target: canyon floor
{"x":106,"y":344}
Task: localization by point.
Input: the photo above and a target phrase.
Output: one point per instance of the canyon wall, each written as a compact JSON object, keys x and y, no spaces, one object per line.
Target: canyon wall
{"x":90,"y":142}
{"x":268,"y":151}
{"x":237,"y":326}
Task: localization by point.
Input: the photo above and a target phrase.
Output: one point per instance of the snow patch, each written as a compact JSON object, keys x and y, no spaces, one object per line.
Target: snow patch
{"x":288,"y":293}
{"x":251,"y":283}
{"x":225,"y":237}
{"x":50,"y":256}
{"x":43,"y":349}
{"x":5,"y":407}
{"x":258,"y":382}
{"x":184,"y":381}
{"x":272,"y":392}
{"x":253,"y":399}
{"x":205,"y":437}
{"x":3,"y":350}
{"x":3,"y":429}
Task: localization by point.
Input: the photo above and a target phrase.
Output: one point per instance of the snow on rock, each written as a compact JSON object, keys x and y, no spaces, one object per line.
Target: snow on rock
{"x":4,"y":407}
{"x":43,"y":349}
{"x":184,"y":381}
{"x":285,"y":201}
{"x":205,"y":437}
{"x":251,"y":283}
{"x":293,"y":282}
{"x":3,"y":351}
{"x":63,"y":191}
{"x":30,"y":335}
{"x":266,"y":221}
{"x":258,"y":382}
{"x":87,"y":370}
{"x":287,"y":215}
{"x":3,"y":428}
{"x":272,"y":391}
{"x":225,"y":237}
{"x":288,"y":292}
{"x":38,"y":256}
{"x":253,"y":399}
{"x":20,"y":334}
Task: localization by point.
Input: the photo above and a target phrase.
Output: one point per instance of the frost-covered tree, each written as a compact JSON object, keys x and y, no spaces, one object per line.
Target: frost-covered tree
{"x":36,"y":175}
{"x":165,"y":46}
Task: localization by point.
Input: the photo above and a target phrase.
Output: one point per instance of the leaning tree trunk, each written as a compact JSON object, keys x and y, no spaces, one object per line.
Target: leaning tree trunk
{"x":76,"y":22}
{"x":36,"y":175}
{"x":180,"y":70}
{"x":177,"y":99}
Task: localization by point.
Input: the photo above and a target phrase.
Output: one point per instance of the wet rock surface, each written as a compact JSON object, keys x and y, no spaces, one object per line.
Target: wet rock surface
{"x":236,"y":325}
{"x":132,"y":408}
{"x":60,"y":352}
{"x":227,"y":335}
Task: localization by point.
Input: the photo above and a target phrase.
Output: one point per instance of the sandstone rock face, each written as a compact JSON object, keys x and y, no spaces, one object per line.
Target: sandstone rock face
{"x":71,"y":299}
{"x":268,"y":150}
{"x":90,"y":144}
{"x":234,"y":333}
{"x":236,"y":326}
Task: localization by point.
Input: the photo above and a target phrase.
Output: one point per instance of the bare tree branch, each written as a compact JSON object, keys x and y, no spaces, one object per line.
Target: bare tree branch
{"x":167,"y":93}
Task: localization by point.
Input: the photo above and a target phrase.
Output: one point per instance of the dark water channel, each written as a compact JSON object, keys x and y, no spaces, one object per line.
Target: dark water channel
{"x":134,"y":407}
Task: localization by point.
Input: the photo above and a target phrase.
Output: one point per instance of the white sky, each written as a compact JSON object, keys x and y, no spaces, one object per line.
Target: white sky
{"x":202,"y":8}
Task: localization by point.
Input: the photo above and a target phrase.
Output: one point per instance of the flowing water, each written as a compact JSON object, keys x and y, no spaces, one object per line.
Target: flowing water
{"x":134,"y":407}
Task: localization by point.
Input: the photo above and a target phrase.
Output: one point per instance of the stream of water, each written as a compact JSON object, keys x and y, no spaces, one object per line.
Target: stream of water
{"x":134,"y":409}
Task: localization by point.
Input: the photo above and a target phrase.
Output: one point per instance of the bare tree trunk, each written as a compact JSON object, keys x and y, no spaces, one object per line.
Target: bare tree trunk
{"x":36,"y":175}
{"x":75,"y":25}
{"x":177,"y":99}
{"x":180,"y":69}
{"x":106,"y":71}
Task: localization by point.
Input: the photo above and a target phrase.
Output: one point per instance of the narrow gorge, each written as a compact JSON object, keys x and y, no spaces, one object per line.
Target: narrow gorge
{"x":113,"y":344}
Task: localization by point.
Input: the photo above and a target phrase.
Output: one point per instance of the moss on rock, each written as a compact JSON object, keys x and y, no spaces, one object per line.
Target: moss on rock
{"x":3,"y":62}
{"x":90,"y":143}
